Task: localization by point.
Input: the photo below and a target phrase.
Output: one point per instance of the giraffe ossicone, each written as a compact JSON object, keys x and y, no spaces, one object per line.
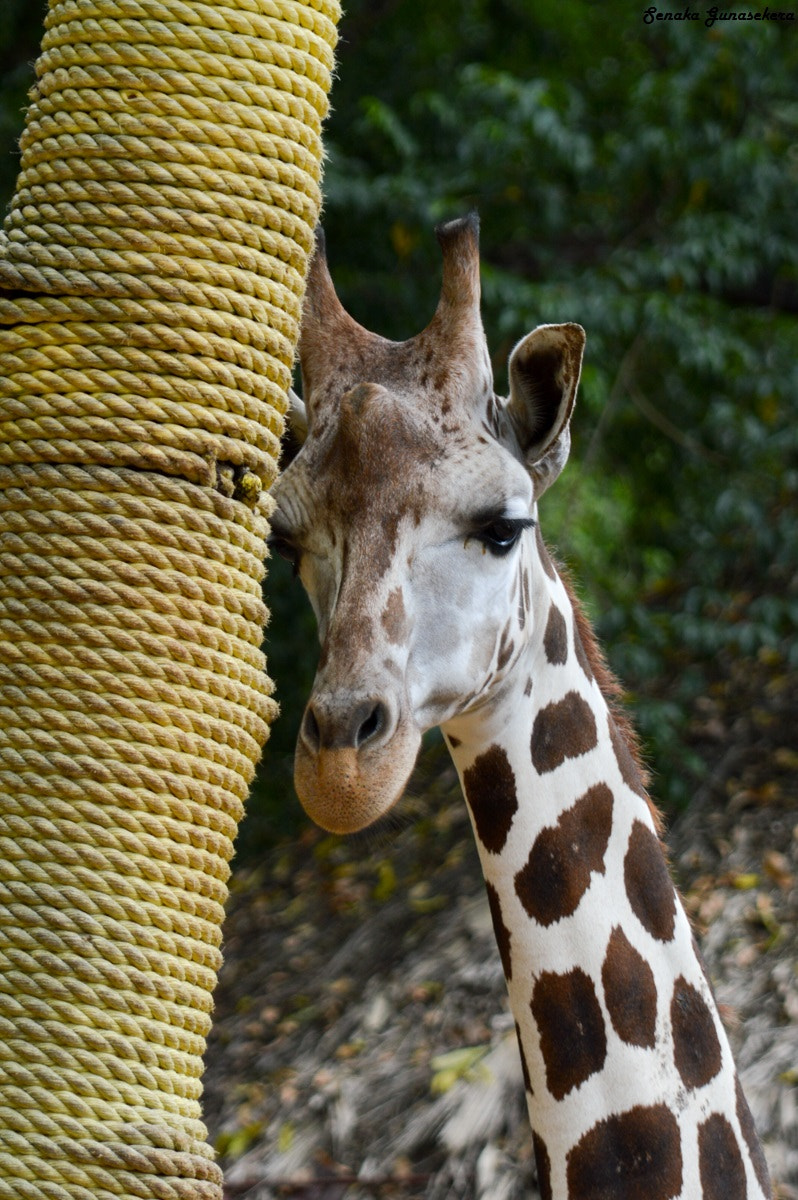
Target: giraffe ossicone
{"x":411,"y":516}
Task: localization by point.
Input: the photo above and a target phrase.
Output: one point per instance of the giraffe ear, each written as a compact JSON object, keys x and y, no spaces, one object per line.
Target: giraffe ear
{"x":544,"y":375}
{"x":296,"y":430}
{"x":297,"y":417}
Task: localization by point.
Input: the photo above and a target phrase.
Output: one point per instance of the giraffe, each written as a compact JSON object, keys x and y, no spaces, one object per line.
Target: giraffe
{"x":410,"y":514}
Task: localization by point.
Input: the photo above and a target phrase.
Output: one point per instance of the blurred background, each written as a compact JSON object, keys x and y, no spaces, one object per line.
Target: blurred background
{"x":640,"y":178}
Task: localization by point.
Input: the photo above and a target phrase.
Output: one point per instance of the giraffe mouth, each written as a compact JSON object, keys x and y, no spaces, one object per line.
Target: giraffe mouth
{"x":349,"y":774}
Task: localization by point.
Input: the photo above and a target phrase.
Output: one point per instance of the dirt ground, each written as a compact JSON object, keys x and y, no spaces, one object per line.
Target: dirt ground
{"x":363,"y":1046}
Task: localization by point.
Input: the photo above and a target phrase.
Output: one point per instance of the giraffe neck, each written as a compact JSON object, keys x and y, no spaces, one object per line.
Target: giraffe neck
{"x":631,"y":1086}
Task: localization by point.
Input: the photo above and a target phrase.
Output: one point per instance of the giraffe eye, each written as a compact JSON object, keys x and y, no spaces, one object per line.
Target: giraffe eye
{"x":501,"y":534}
{"x":285,"y":548}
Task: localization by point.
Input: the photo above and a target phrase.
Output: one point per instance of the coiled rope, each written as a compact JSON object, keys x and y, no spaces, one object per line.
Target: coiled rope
{"x":152,"y":267}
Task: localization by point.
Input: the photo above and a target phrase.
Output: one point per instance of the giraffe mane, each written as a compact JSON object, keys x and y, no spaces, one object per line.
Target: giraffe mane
{"x":612,"y":691}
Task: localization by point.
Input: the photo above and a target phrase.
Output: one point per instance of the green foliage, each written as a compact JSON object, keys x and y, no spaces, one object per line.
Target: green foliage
{"x":640,"y":179}
{"x":20,"y":36}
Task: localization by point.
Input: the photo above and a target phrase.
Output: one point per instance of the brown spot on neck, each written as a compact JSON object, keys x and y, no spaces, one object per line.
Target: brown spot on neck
{"x":543,"y":1164}
{"x":489,"y":785}
{"x":500,"y":930}
{"x":564,"y":856}
{"x":524,"y":1065}
{"x":696,"y":1049}
{"x":629,"y":1156}
{"x":630,"y":992}
{"x":720,"y":1162}
{"x":563,"y":729}
{"x":648,"y":884}
{"x":573,"y":1040}
{"x":555,"y":638}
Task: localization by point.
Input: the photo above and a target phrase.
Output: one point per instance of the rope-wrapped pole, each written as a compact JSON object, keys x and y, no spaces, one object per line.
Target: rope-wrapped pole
{"x":152,"y":268}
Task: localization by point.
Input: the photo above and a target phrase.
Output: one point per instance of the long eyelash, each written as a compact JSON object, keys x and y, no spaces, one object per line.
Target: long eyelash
{"x":517,"y":524}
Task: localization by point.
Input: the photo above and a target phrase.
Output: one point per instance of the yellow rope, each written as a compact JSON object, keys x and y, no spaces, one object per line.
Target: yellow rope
{"x":152,"y":267}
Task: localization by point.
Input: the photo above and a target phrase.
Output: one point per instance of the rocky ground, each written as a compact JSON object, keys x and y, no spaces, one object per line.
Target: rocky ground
{"x":363,"y":1047}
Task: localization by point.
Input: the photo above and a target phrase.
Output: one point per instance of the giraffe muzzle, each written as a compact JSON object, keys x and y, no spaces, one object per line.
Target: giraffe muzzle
{"x":353,"y":758}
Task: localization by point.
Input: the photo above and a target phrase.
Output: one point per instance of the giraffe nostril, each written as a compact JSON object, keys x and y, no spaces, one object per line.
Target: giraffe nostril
{"x":372,"y":725}
{"x":310,"y":729}
{"x":336,"y":723}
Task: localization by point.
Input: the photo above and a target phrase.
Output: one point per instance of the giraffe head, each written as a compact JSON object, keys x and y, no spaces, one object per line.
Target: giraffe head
{"x":410,"y":516}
